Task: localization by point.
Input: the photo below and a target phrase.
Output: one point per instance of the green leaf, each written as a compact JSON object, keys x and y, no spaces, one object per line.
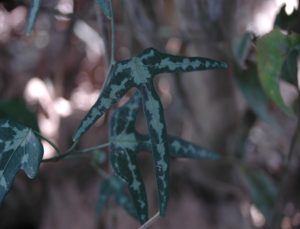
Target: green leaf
{"x":19,"y":149}
{"x":254,"y":94}
{"x":273,"y":50}
{"x":114,"y":186}
{"x":263,"y":191}
{"x":139,"y":72}
{"x":32,"y":15}
{"x":18,"y":111}
{"x":105,"y":5}
{"x":126,"y":143}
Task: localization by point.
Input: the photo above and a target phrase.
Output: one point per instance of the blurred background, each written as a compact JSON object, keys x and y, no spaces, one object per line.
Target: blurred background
{"x":50,"y":78}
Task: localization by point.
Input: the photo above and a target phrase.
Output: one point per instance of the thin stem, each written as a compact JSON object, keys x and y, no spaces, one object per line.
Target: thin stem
{"x":94,"y":147}
{"x":152,"y":220}
{"x":58,"y":152}
{"x":72,"y":152}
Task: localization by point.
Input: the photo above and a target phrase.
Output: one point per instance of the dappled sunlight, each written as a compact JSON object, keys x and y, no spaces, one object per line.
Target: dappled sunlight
{"x":257,"y":217}
{"x":64,"y":7}
{"x":93,"y":41}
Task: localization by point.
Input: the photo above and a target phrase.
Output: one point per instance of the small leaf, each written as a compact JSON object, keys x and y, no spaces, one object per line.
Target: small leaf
{"x":19,"y":149}
{"x":185,"y":149}
{"x":105,"y":5}
{"x":272,"y":52}
{"x":32,"y":15}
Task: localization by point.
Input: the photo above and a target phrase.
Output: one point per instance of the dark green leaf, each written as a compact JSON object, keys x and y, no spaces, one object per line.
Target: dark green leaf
{"x":19,"y":112}
{"x":263,"y":191}
{"x":125,"y":165}
{"x":272,"y":52}
{"x":114,"y":186}
{"x":126,"y":142}
{"x":139,"y":72}
{"x":33,"y":12}
{"x":290,"y":70}
{"x":285,"y":21}
{"x":105,"y":5}
{"x":19,"y":149}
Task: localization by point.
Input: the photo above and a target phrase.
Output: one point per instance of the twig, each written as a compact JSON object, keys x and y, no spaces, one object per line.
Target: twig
{"x":71,"y":152}
{"x":152,"y":220}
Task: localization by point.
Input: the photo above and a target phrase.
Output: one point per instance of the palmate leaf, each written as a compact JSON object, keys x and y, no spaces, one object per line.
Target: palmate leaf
{"x":139,"y":72}
{"x":32,"y":15}
{"x":105,"y":5}
{"x":273,"y":49}
{"x":126,"y":143}
{"x":115,"y":187}
{"x":19,"y":149}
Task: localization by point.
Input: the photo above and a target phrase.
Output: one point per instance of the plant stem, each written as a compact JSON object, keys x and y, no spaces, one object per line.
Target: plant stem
{"x":72,"y":152}
{"x":58,"y":152}
{"x":152,"y":220}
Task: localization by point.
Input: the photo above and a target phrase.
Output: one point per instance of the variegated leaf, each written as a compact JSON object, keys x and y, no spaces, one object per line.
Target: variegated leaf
{"x":125,"y":165}
{"x":114,"y":186}
{"x":105,"y":5}
{"x":139,"y":72}
{"x":19,"y":149}
{"x":32,"y":15}
{"x":126,"y":142}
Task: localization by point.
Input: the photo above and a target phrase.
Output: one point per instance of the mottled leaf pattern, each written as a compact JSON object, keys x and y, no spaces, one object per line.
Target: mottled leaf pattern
{"x":105,"y":5}
{"x":139,"y":72}
{"x":126,"y":167}
{"x":114,"y":187}
{"x":272,"y":51}
{"x":32,"y":15}
{"x":19,"y":149}
{"x":126,"y":143}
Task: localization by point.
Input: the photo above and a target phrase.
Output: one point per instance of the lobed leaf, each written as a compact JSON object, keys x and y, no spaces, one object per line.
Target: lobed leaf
{"x":139,"y":72}
{"x":19,"y":149}
{"x":32,"y":15}
{"x":105,"y":5}
{"x":126,"y":143}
